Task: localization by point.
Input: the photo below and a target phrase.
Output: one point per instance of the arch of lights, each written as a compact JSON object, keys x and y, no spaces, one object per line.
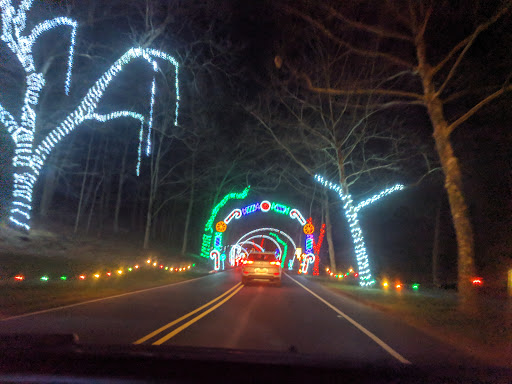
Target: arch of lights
{"x":234,"y":252}
{"x":273,"y":240}
{"x":351,"y":211}
{"x":237,"y":249}
{"x":28,"y":158}
{"x":212,"y":240}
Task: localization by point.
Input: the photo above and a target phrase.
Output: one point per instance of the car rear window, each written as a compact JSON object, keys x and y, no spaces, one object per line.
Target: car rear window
{"x":262,"y":257}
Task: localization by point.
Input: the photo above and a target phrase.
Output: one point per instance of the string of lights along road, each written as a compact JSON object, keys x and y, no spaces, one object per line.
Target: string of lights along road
{"x":109,"y":273}
{"x":28,"y":157}
{"x":351,"y":211}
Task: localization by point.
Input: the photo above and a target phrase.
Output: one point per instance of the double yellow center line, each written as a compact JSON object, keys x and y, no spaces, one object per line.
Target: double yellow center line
{"x":231,"y":292}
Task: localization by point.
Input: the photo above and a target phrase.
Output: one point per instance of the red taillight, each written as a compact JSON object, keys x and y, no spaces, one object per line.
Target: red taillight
{"x":276,"y":273}
{"x":246,"y":272}
{"x":274,"y":263}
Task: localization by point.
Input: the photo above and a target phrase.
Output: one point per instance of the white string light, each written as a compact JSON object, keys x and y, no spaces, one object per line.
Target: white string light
{"x":119,"y":114}
{"x":355,"y":228}
{"x":378,"y":196}
{"x":28,"y":159}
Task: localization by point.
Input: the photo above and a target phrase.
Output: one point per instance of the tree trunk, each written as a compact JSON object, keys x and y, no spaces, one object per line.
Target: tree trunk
{"x":189,"y":210}
{"x":461,"y":221}
{"x":105,"y":196}
{"x":82,"y":189}
{"x":453,"y":183}
{"x":50,"y":181}
{"x":435,"y":248}
{"x":93,"y":203}
{"x":328,"y":233}
{"x":149,"y":219}
{"x":120,"y":189}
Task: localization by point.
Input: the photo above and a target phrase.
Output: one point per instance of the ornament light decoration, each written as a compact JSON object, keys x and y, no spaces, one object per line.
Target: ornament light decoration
{"x":29,"y":157}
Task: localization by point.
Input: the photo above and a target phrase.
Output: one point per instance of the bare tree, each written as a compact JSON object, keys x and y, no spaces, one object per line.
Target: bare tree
{"x":403,"y":39}
{"x":350,"y":140}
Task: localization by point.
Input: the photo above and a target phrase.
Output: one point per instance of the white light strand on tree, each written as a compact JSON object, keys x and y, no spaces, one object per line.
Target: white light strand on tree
{"x":378,"y":196}
{"x":355,"y":228}
{"x":29,"y":159}
{"x":117,"y":115}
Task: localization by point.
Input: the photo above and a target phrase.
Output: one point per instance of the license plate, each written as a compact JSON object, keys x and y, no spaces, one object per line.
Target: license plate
{"x":260,"y":270}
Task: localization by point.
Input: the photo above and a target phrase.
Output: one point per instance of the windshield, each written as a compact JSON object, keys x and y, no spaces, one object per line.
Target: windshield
{"x":152,"y":152}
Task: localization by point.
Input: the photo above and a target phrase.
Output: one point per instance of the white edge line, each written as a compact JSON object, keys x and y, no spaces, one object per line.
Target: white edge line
{"x":100,"y":299}
{"x":381,"y":343}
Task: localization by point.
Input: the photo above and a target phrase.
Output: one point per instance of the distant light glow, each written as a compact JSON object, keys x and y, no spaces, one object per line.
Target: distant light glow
{"x":45,"y":278}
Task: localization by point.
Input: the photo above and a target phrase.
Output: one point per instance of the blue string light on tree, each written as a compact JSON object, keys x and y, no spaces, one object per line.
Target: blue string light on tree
{"x":28,"y":157}
{"x":351,"y":211}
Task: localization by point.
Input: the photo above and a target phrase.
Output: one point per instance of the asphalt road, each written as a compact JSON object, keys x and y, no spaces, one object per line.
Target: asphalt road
{"x":218,"y":311}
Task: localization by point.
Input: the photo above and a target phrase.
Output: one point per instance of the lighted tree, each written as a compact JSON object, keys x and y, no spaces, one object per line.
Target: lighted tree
{"x":426,"y":57}
{"x":29,"y":157}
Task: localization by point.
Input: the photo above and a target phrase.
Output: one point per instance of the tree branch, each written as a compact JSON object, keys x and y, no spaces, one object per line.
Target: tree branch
{"x":477,"y":107}
{"x":367,"y":28}
{"x":362,"y":52}
{"x":288,"y":151}
{"x":337,"y":92}
{"x":468,"y":42}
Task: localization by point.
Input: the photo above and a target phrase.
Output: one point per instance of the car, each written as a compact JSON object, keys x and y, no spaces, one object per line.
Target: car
{"x":261,"y":266}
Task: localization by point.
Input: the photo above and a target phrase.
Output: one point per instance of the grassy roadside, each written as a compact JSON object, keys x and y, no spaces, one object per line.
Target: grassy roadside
{"x":17,"y":299}
{"x":486,"y":334}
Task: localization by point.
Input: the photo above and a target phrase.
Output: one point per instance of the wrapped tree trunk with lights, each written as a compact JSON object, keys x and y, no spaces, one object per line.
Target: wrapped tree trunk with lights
{"x":30,"y":157}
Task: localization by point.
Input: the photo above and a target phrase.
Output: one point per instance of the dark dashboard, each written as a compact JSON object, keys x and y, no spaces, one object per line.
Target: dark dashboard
{"x":61,"y":359}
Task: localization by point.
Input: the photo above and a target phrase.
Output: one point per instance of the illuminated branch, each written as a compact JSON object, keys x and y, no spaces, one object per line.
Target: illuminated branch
{"x":117,"y":115}
{"x":29,"y":159}
{"x":50,"y":24}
